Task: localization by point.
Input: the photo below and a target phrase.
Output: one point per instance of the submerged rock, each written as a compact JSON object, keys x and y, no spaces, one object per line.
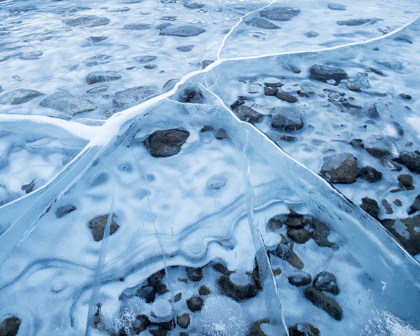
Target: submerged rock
{"x":98,"y":224}
{"x":324,"y":302}
{"x":19,"y":96}
{"x":10,"y":326}
{"x":406,"y":180}
{"x":195,"y":303}
{"x":340,"y":168}
{"x":356,"y":22}
{"x":133,"y":96}
{"x":407,"y":231}
{"x":303,"y":329}
{"x":183,"y":321}
{"x":370,"y":206}
{"x":182,"y":31}
{"x":287,"y":97}
{"x":237,"y":292}
{"x":194,"y":274}
{"x":286,"y":119}
{"x":102,"y":76}
{"x":246,"y":113}
{"x":370,"y":174}
{"x":300,"y":236}
{"x":137,"y":26}
{"x":279,"y":13}
{"x":336,"y":6}
{"x":411,"y":160}
{"x":300,"y":279}
{"x":415,"y":206}
{"x":166,"y":143}
{"x":262,"y":23}
{"x":326,"y":282}
{"x":325,"y":72}
{"x":65,"y":210}
{"x":65,"y":102}
{"x":87,"y":21}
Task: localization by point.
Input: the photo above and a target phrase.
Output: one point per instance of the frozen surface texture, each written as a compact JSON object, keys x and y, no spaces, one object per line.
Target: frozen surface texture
{"x":209,"y":168}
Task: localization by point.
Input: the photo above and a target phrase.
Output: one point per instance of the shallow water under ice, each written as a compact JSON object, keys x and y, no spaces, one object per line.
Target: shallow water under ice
{"x":201,"y":238}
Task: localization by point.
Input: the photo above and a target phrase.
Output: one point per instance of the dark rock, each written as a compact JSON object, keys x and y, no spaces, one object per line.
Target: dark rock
{"x":182,"y":31}
{"x":140,"y":324}
{"x":325,"y":72}
{"x":336,"y":6}
{"x":377,"y":71}
{"x":178,"y":297}
{"x":131,"y":97}
{"x":286,"y":119}
{"x":300,"y":236}
{"x":256,"y":329}
{"x":65,"y":102}
{"x":407,"y":231}
{"x":287,"y":97}
{"x":270,"y":91}
{"x":326,"y":282}
{"x":19,"y":96}
{"x":379,"y":153}
{"x":356,"y":22}
{"x":163,"y":25}
{"x":28,"y":188}
{"x":145,"y":58}
{"x":285,"y":251}
{"x":155,"y":280}
{"x":398,"y":202}
{"x":191,"y":95}
{"x":322,"y":301}
{"x":372,"y":112}
{"x":193,"y":5}
{"x":262,"y":23}
{"x":137,"y":26}
{"x":206,"y":63}
{"x":279,"y":13}
{"x":10,"y":326}
{"x":167,"y":142}
{"x":303,"y":329}
{"x":87,"y":21}
{"x":237,"y":103}
{"x":207,"y":128}
{"x":311,"y":34}
{"x":404,"y":38}
{"x":405,"y":96}
{"x":275,"y":224}
{"x":183,"y":321}
{"x":246,"y":113}
{"x":98,"y":89}
{"x":65,"y":210}
{"x":415,"y":206}
{"x":358,"y":143}
{"x":411,"y":160}
{"x":158,"y":332}
{"x":340,"y":168}
{"x":204,"y":290}
{"x":220,"y":268}
{"x":387,"y":207}
{"x":195,"y":303}
{"x":295,"y":220}
{"x":102,"y":76}
{"x":370,"y":206}
{"x":237,"y":292}
{"x":288,"y":138}
{"x":274,"y":85}
{"x":97,"y":227}
{"x":406,"y":180}
{"x":186,"y":48}
{"x":320,"y":233}
{"x":299,"y":279}
{"x":150,"y":66}
{"x":295,"y":261}
{"x":147,"y":293}
{"x":96,"y":60}
{"x":370,"y":174}
{"x":195,"y":274}
{"x":97,"y":39}
{"x":221,"y":134}
{"x":169,"y":18}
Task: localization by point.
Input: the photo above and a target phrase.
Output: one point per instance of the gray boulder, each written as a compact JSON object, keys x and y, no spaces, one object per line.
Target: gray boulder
{"x":182,"y":31}
{"x":87,"y":21}
{"x":340,"y":168}
{"x":102,"y":76}
{"x":325,"y":72}
{"x":133,"y":96}
{"x":65,"y":102}
{"x":19,"y":96}
{"x":246,"y":113}
{"x":98,"y":224}
{"x":166,"y":143}
{"x":326,"y":282}
{"x":279,"y":13}
{"x":324,"y":302}
{"x":287,"y":97}
{"x":262,"y":23}
{"x":411,"y":160}
{"x":287,"y":119}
